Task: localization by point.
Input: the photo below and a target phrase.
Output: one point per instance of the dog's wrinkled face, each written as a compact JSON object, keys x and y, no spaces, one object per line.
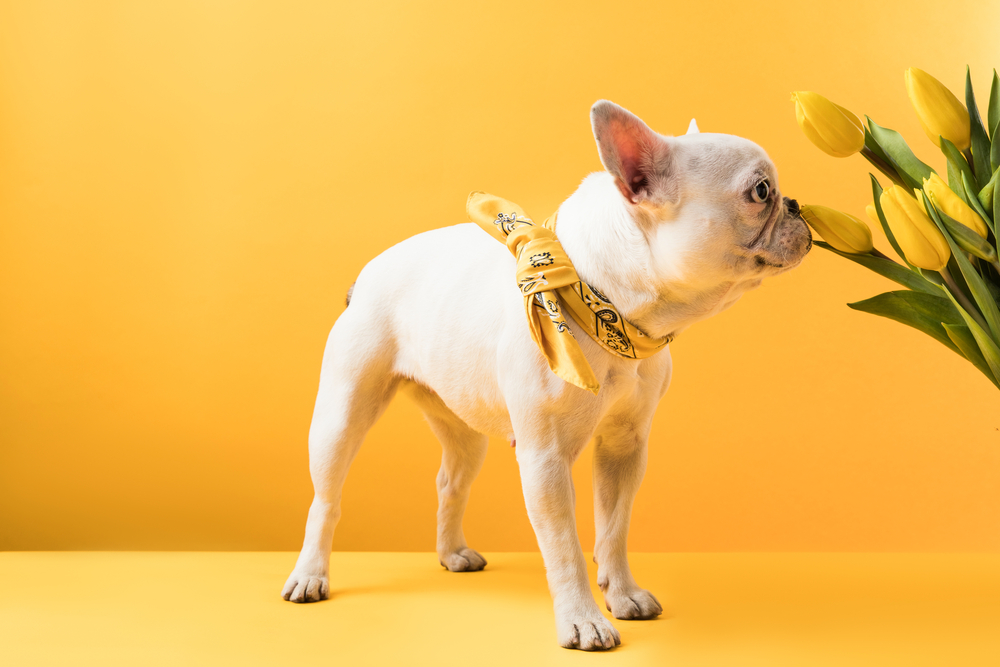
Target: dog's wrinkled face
{"x":709,"y":204}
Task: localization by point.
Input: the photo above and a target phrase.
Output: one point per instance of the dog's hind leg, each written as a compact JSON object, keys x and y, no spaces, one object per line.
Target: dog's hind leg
{"x":356,"y":384}
{"x":463,"y":453}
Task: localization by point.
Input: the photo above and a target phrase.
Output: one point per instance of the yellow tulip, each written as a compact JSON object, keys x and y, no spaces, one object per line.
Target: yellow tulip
{"x":835,"y":130}
{"x":939,"y":111}
{"x":952,"y":205}
{"x":841,"y":230}
{"x":873,"y":214}
{"x":917,"y":235}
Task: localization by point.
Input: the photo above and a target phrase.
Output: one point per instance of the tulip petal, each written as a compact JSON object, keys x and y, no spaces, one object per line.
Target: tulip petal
{"x":921,"y":241}
{"x":924,"y":312}
{"x":948,"y":202}
{"x":877,"y":195}
{"x":970,"y":196}
{"x":832,"y":128}
{"x":810,"y":131}
{"x":979,"y":139}
{"x":841,"y":230}
{"x":910,"y":168}
{"x":939,"y":111}
{"x":963,"y":339}
{"x":889,"y":269}
{"x":967,"y":239}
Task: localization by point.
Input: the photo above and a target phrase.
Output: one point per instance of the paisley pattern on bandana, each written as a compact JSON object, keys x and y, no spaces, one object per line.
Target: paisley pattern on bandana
{"x":546,"y":277}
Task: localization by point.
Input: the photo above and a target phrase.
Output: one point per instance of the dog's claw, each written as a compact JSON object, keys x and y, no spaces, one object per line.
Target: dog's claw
{"x":589,"y":634}
{"x":634,"y":605}
{"x":306,"y":588}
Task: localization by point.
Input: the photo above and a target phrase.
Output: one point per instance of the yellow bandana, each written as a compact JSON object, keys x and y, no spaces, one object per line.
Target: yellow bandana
{"x":547,"y":278}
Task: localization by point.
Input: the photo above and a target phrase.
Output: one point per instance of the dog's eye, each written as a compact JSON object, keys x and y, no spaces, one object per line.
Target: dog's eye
{"x":761,"y":191}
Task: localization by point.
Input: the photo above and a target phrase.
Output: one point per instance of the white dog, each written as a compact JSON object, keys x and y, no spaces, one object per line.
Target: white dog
{"x":675,"y":230}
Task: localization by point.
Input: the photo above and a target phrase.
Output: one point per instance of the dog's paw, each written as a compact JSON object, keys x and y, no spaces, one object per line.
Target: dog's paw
{"x":306,"y":588}
{"x":587,"y":632}
{"x":633,"y":605}
{"x":463,"y":560}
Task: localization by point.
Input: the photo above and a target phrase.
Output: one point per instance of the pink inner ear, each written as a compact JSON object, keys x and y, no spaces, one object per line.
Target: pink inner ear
{"x":629,"y":153}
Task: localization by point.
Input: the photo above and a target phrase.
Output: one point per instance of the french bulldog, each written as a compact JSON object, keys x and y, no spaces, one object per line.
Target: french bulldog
{"x":674,"y":231}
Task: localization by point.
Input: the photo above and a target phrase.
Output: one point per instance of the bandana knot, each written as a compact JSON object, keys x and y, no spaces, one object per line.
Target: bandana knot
{"x":547,"y":279}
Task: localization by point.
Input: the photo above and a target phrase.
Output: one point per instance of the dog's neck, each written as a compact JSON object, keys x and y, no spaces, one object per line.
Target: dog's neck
{"x":610,"y":251}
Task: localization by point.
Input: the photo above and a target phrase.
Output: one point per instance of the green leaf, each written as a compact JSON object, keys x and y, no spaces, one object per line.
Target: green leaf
{"x":986,"y":345}
{"x":980,"y":293}
{"x":877,"y":194}
{"x":924,"y":312}
{"x":910,"y":168}
{"x":969,"y":348}
{"x":991,"y":285}
{"x":996,"y":200}
{"x":995,"y":153}
{"x":957,"y":168}
{"x":980,"y":140}
{"x":889,"y":269}
{"x":985,"y":196}
{"x":883,"y":164}
{"x":993,"y":112}
{"x":967,"y":239}
{"x":973,"y":199}
{"x":873,"y":146}
{"x":933,"y":276}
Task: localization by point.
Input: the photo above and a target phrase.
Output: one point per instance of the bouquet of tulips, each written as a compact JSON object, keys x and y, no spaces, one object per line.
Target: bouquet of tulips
{"x":944,"y":233}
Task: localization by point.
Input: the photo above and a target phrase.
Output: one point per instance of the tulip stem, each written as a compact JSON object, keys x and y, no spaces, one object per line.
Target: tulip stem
{"x":960,"y":296}
{"x":882,"y":166}
{"x":881,"y":255}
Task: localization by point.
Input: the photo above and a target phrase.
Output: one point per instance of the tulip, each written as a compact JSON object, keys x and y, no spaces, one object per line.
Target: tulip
{"x":939,"y":111}
{"x":841,"y":230}
{"x":952,"y":205}
{"x":918,"y":237}
{"x":835,"y":130}
{"x":872,"y":214}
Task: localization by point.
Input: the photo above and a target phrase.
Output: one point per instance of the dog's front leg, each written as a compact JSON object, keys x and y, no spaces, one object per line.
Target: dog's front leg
{"x":619,"y":464}
{"x":549,"y":497}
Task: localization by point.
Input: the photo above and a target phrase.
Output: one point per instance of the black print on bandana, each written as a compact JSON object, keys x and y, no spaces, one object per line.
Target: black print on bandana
{"x":540,"y":259}
{"x":608,"y":316}
{"x":599,"y":294}
{"x":616,"y":340}
{"x":508,"y":223}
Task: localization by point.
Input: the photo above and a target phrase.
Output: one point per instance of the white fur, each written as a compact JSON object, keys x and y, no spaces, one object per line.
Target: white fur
{"x":440,"y":316}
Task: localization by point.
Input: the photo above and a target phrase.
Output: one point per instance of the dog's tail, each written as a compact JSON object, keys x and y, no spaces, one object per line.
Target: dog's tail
{"x":350,"y":291}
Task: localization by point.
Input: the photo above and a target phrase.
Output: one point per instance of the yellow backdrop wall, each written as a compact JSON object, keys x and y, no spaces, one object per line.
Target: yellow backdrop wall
{"x":187,"y":189}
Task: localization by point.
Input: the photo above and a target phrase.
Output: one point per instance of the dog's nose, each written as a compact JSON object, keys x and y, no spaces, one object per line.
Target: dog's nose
{"x":792,"y":206}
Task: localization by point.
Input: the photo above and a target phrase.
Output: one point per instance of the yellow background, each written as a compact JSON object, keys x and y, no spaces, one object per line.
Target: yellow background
{"x":187,"y":189}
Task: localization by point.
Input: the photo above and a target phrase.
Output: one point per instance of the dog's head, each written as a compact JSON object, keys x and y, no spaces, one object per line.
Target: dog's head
{"x":709,"y":205}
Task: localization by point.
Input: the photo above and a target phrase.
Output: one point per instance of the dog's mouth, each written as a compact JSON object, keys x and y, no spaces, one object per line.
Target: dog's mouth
{"x":761,"y":262}
{"x":790,"y":247}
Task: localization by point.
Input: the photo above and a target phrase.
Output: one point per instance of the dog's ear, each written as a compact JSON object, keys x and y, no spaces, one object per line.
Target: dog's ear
{"x":693,"y":127}
{"x":637,"y":157}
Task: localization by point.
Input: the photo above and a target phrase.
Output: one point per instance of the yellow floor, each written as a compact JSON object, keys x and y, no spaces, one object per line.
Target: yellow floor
{"x":403,"y":609}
